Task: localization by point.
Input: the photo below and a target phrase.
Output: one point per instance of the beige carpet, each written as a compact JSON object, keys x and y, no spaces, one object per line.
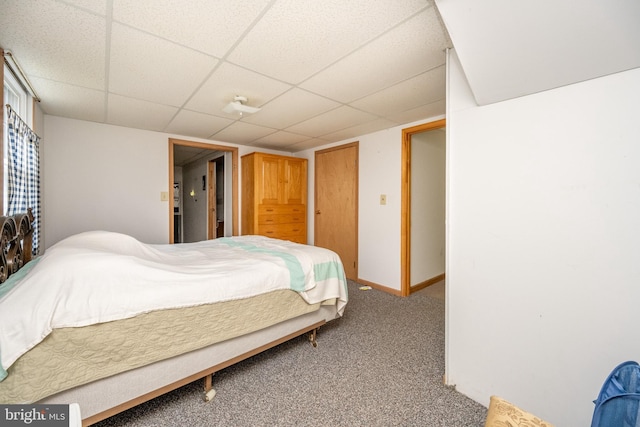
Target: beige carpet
{"x":437,"y":290}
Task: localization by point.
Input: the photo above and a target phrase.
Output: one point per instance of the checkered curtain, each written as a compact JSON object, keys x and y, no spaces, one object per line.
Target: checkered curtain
{"x":23,"y":171}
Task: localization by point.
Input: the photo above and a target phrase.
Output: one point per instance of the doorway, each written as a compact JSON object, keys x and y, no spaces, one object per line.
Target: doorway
{"x":232,"y":152}
{"x":423,"y":206}
{"x":336,"y":204}
{"x":215,"y":198}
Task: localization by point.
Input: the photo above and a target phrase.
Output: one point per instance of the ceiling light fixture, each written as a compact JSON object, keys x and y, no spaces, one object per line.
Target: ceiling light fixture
{"x":238,"y":106}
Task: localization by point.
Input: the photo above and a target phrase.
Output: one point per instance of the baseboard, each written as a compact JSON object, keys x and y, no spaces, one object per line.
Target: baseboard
{"x":426,"y":283}
{"x":383,"y":288}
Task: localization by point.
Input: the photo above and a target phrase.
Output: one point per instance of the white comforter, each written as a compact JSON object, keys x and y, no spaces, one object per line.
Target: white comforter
{"x":101,"y":276}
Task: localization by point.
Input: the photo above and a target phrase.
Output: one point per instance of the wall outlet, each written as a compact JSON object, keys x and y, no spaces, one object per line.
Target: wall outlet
{"x":383,"y":199}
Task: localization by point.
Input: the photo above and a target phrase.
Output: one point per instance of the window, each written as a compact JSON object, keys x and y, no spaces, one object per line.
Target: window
{"x":18,"y":98}
{"x":20,"y":154}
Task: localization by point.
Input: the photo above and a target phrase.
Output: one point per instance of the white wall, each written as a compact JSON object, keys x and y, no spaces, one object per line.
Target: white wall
{"x":106,"y":177}
{"x":543,"y":243}
{"x":427,"y":205}
{"x":195,"y":218}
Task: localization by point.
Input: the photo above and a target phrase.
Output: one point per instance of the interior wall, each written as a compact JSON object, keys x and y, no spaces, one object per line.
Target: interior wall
{"x":195,"y":207}
{"x":107,"y":177}
{"x":543,"y":243}
{"x":428,"y":157}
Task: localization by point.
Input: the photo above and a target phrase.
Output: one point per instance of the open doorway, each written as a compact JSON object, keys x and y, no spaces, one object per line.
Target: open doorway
{"x":216,"y":200}
{"x":423,"y":206}
{"x":197,"y":187}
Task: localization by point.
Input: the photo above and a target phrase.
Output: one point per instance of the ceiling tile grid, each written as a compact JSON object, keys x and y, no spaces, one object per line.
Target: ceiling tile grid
{"x":318,"y":70}
{"x":208,"y":26}
{"x":391,"y":58}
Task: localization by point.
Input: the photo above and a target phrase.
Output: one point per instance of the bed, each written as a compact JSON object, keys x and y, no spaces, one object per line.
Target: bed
{"x":189,"y":311}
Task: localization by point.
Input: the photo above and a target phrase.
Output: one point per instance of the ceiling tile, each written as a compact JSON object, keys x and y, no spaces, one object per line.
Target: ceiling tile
{"x":297,"y":38}
{"x":406,"y":51}
{"x":424,"y":89}
{"x":196,"y":124}
{"x":362,"y":129}
{"x":331,"y":121}
{"x":438,"y":108}
{"x":309,"y":143}
{"x":212,"y":27}
{"x":280,"y":139}
{"x":171,"y":66}
{"x":168,"y":74}
{"x":64,"y":100}
{"x":69,"y":44}
{"x":95,"y":6}
{"x":242,"y":133}
{"x":229,"y":80}
{"x":291,"y":108}
{"x":123,"y":111}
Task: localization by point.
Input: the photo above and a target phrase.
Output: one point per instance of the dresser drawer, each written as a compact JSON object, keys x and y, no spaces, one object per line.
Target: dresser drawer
{"x":281,"y":209}
{"x":281,"y":219}
{"x":282,"y":230}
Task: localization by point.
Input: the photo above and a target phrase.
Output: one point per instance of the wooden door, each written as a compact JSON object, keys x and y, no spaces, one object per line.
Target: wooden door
{"x":336,"y":204}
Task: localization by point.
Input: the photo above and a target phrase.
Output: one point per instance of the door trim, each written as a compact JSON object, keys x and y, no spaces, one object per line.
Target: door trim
{"x":405,"y":224}
{"x":234,"y":179}
{"x":212,"y":209}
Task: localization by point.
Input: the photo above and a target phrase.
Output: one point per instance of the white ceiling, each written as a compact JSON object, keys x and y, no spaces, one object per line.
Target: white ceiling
{"x":511,"y":48}
{"x":322,"y":71}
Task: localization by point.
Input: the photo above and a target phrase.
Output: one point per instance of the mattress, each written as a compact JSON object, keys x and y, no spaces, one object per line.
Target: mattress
{"x":99,"y":277}
{"x":69,"y":357}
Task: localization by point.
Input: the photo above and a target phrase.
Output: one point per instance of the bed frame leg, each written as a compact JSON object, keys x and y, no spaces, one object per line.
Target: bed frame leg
{"x":312,"y":337}
{"x":209,"y":391}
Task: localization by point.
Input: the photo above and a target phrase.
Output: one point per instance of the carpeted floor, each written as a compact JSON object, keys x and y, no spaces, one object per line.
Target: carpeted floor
{"x":381,"y":364}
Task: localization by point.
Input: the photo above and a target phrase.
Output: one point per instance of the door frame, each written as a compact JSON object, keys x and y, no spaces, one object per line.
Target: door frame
{"x":405,"y":224}
{"x":234,"y":179}
{"x":212,"y":217}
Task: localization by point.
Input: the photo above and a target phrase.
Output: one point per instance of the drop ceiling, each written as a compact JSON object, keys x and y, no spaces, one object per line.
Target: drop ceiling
{"x":321,"y":71}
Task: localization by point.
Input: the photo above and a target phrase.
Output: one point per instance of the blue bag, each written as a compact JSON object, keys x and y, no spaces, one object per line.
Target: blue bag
{"x":618,"y":404}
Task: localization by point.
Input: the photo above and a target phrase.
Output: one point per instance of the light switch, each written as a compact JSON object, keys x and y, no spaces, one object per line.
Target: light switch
{"x":383,"y":199}
{"x":164,"y":196}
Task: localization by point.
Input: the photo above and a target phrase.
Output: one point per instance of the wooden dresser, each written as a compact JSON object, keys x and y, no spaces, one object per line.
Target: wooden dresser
{"x":274,"y":196}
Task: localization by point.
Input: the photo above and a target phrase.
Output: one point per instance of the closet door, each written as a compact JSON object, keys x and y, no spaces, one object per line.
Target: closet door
{"x":295,"y":181}
{"x":269,"y":182}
